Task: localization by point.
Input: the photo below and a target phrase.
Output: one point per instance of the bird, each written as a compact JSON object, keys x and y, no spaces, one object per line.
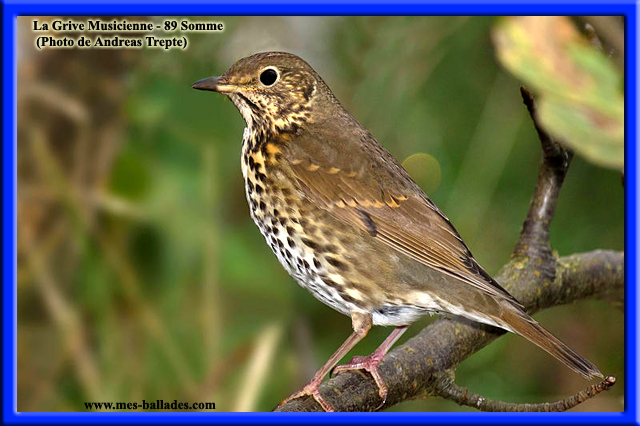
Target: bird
{"x":350,"y":225}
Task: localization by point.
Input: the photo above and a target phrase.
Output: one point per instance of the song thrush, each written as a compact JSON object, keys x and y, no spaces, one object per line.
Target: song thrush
{"x":349,"y":224}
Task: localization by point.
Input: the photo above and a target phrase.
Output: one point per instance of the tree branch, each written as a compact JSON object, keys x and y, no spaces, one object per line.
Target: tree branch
{"x":534,"y":237}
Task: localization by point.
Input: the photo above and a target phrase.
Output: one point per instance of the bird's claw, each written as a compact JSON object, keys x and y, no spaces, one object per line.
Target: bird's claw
{"x":369,"y":363}
{"x":309,"y":390}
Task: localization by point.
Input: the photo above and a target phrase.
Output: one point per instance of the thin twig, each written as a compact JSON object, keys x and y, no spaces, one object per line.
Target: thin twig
{"x":447,"y":389}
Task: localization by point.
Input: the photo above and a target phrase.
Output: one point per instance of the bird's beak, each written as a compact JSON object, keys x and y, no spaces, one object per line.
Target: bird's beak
{"x":213,"y":84}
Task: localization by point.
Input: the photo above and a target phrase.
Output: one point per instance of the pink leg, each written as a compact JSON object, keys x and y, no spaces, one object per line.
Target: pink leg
{"x":371,"y":362}
{"x":361,"y":326}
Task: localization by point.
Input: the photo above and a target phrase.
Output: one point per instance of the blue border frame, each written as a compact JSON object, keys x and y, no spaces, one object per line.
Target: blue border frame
{"x":12,"y":9}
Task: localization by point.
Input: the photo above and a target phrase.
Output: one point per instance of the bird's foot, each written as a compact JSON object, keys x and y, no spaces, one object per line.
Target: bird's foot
{"x":369,"y":363}
{"x":310,"y":390}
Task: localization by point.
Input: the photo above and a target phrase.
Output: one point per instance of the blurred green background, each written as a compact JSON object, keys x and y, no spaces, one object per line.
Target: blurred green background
{"x":142,"y":276}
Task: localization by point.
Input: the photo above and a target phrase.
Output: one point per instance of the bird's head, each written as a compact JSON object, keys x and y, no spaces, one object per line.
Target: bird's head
{"x":277,"y":89}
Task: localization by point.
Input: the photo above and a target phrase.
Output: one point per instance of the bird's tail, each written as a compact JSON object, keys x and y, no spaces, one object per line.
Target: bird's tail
{"x":522,"y":324}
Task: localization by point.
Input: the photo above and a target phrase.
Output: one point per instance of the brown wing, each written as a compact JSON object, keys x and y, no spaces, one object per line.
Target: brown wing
{"x":364,"y":186}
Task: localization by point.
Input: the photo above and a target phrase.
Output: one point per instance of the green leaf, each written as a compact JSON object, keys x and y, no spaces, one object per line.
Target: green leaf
{"x":580,"y":92}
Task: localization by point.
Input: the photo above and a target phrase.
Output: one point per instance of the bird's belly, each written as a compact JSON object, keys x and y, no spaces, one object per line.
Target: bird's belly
{"x":279,"y":229}
{"x":279,"y":215}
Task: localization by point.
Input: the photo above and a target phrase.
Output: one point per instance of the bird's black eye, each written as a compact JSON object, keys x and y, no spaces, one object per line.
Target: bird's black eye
{"x":268,"y":77}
